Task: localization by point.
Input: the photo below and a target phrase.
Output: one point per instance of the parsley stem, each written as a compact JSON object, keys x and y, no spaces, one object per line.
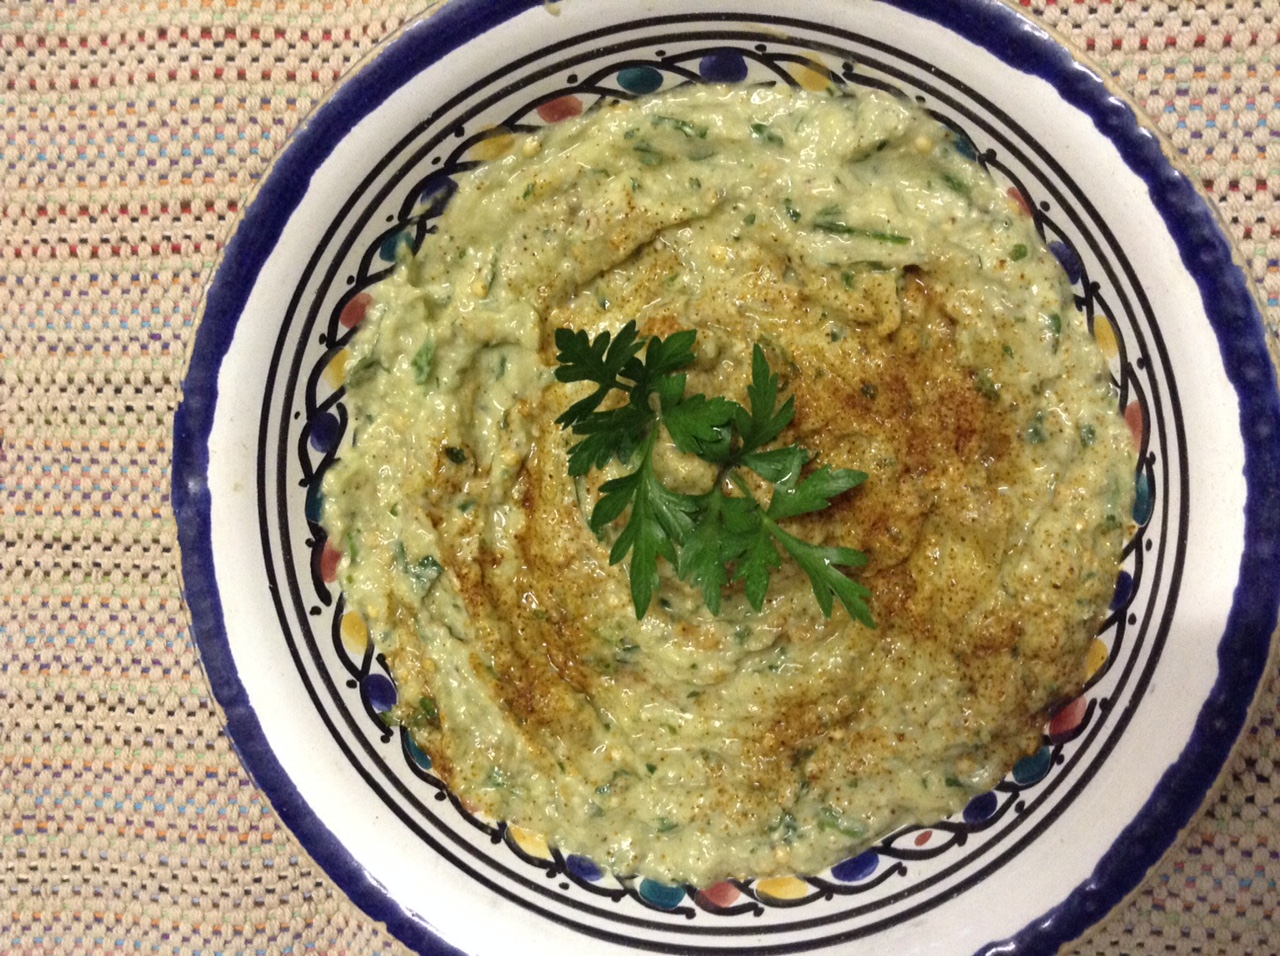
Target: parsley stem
{"x":730,"y":470}
{"x":773,"y":527}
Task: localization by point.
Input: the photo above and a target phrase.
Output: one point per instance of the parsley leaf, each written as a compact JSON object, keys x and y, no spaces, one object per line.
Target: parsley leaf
{"x":423,"y":362}
{"x":757,"y":561}
{"x":601,"y":361}
{"x":718,"y":538}
{"x":764,"y":422}
{"x":763,"y":131}
{"x":704,"y":560}
{"x":684,"y":126}
{"x":820,"y":564}
{"x":814,"y":493}
{"x":701,"y":426}
{"x":616,"y":433}
{"x":660,"y":518}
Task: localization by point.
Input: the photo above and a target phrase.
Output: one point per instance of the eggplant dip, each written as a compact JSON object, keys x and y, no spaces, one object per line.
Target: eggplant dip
{"x":926,"y":337}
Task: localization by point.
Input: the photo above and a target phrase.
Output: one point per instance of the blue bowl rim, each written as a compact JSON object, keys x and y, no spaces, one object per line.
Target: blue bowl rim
{"x":1205,"y":251}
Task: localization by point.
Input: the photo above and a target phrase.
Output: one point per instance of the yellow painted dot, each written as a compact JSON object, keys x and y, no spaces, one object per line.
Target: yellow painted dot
{"x":784,"y":888}
{"x":1104,"y":333}
{"x":335,"y":373}
{"x":811,"y":76}
{"x":1094,"y":660}
{"x":355,"y":634}
{"x":493,"y":147}
{"x":535,"y":844}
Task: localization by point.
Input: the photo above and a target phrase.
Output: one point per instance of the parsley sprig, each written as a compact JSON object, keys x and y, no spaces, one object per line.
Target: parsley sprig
{"x":724,"y":535}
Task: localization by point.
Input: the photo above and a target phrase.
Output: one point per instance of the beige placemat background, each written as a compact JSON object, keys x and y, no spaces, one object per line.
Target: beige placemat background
{"x":133,"y":133}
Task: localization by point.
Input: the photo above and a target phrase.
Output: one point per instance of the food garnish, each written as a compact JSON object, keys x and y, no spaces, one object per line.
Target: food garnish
{"x":724,"y":535}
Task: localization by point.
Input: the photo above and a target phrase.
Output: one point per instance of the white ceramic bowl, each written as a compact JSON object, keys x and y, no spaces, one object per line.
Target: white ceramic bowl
{"x":1024,"y":867}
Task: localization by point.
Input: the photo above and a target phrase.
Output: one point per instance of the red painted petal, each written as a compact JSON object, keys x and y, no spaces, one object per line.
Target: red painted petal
{"x":354,"y":311}
{"x":1068,"y":718}
{"x":1133,"y":418}
{"x":560,"y":109}
{"x":1016,"y":195}
{"x":721,"y":894}
{"x":329,"y":559}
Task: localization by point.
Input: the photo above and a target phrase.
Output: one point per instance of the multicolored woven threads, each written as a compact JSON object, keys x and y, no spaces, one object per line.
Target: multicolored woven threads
{"x":133,"y":134}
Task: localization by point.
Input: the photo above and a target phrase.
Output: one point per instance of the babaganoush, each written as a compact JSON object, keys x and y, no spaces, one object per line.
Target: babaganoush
{"x":928,"y":338}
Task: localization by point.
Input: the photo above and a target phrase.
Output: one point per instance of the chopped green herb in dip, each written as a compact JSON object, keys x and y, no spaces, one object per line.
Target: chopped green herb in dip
{"x":926,"y":337}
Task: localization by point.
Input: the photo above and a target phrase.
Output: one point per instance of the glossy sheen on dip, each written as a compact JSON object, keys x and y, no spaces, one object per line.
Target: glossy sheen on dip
{"x":929,"y":339}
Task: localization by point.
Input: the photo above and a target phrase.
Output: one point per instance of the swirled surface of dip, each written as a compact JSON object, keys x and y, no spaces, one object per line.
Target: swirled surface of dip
{"x":928,"y":338}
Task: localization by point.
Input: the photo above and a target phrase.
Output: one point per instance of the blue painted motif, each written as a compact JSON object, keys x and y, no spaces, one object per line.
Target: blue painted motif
{"x":856,"y":868}
{"x":662,"y":895}
{"x":583,"y":868}
{"x":314,"y":507}
{"x":390,"y":247}
{"x":1124,"y":590}
{"x":381,"y":692}
{"x":1070,"y":260}
{"x":1143,"y":498}
{"x":1032,"y":768}
{"x":417,"y":754}
{"x":723,"y":66}
{"x":326,"y":432}
{"x":981,"y":807}
{"x":640,"y":79}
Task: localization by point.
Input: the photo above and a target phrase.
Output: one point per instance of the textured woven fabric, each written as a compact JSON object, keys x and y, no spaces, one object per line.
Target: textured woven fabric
{"x":133,"y":133}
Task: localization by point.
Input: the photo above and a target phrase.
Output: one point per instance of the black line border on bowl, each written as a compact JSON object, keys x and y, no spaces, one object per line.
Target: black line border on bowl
{"x":276,"y":496}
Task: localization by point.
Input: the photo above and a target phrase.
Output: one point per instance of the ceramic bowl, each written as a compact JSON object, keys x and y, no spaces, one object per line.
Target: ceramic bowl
{"x":1025,"y":866}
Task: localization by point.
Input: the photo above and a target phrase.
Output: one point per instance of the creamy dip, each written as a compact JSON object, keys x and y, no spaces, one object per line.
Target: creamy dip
{"x":928,"y":338}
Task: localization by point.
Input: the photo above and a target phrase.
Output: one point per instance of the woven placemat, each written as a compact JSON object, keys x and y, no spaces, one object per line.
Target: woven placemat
{"x":133,"y":133}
